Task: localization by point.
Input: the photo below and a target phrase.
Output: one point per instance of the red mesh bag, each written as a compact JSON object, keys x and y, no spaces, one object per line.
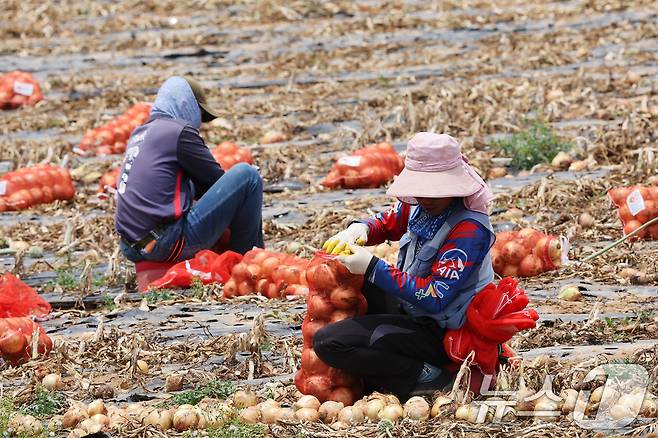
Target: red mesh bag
{"x":16,"y":339}
{"x":34,"y":185}
{"x":19,"y":88}
{"x":108,"y":182}
{"x":527,"y":253}
{"x":271,"y":274}
{"x":368,"y":167}
{"x":228,"y":154}
{"x":636,"y":206}
{"x":19,"y":299}
{"x":206,"y":266}
{"x":335,"y":294}
{"x":112,"y":137}
{"x":495,"y":315}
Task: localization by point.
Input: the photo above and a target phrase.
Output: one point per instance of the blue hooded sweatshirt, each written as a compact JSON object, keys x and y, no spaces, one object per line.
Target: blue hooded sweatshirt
{"x":166,"y":166}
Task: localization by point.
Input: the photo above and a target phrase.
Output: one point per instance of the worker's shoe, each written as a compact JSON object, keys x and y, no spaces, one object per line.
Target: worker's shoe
{"x":442,"y":382}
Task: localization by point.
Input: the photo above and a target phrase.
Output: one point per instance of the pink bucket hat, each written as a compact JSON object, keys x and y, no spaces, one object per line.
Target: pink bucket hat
{"x":435,"y":168}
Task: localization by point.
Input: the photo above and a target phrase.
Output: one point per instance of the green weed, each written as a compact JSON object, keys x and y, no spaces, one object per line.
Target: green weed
{"x":45,"y":404}
{"x":155,"y":295}
{"x":108,"y":302}
{"x":218,"y":389}
{"x":237,"y":429}
{"x":65,"y":279}
{"x":537,"y":144}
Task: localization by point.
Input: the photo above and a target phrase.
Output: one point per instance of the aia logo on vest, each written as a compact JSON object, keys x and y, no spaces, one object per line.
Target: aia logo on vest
{"x":451,"y":264}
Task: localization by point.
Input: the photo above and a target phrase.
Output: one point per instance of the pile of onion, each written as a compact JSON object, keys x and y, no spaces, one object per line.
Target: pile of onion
{"x":335,"y":294}
{"x":386,"y":251}
{"x":41,"y":184}
{"x":108,"y":181}
{"x":228,"y":154}
{"x":18,"y":88}
{"x":630,"y":200}
{"x":271,"y":274}
{"x":111,"y":138}
{"x":370,"y":166}
{"x":525,"y":253}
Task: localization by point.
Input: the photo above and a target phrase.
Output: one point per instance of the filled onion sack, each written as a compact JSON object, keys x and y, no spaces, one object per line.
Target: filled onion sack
{"x":16,"y":339}
{"x":111,"y":138}
{"x":368,"y":167}
{"x":19,"y":88}
{"x":19,"y":299}
{"x":34,"y":185}
{"x":527,"y":253}
{"x":334,"y":295}
{"x":636,"y":206}
{"x":228,"y":154}
{"x":271,"y":274}
{"x":108,"y":182}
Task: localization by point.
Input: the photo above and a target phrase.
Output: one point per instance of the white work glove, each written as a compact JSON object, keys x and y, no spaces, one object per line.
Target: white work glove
{"x":355,"y":233}
{"x":357,"y":263}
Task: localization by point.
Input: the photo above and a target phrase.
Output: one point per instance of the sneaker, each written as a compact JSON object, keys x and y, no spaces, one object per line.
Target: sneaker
{"x":443,"y":382}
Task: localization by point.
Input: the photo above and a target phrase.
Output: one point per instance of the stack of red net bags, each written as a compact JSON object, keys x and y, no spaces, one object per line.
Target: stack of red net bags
{"x":335,"y":294}
{"x":268,"y":273}
{"x":18,"y":302}
{"x":19,"y":88}
{"x":111,"y":138}
{"x":495,"y":315}
{"x":637,"y":206}
{"x":30,"y":186}
{"x":228,"y":154}
{"x":368,"y":167}
{"x":525,"y":253}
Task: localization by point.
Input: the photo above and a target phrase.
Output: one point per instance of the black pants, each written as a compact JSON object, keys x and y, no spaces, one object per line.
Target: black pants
{"x":386,"y":347}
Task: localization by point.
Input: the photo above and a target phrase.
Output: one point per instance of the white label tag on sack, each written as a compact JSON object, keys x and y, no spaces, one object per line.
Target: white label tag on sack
{"x":3,"y":188}
{"x":23,"y":88}
{"x":635,"y":202}
{"x":350,"y":160}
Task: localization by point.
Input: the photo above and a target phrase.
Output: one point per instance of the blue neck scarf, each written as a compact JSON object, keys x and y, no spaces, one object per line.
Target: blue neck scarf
{"x":175,"y":99}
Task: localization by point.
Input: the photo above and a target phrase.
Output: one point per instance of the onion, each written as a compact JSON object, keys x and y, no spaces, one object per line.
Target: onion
{"x":632,"y":401}
{"x":570,"y":396}
{"x":77,"y":433}
{"x":90,"y":426}
{"x":162,"y":419}
{"x":329,"y":411}
{"x":570,"y":293}
{"x":586,"y":220}
{"x":521,"y":395}
{"x":373,"y":407}
{"x":101,"y":419}
{"x":185,"y":419}
{"x":467,"y":413}
{"x":270,"y":414}
{"x":438,"y":406}
{"x":142,"y":366}
{"x":338,"y":425}
{"x":244,"y":399}
{"x":269,"y":403}
{"x":621,"y":412}
{"x":174,"y":382}
{"x":307,"y":414}
{"x":250,"y":415}
{"x":417,"y":408}
{"x":52,"y":381}
{"x":55,"y":424}
{"x":351,"y":415}
{"x":73,"y":417}
{"x":392,"y":413}
{"x":307,"y":401}
{"x":96,"y":407}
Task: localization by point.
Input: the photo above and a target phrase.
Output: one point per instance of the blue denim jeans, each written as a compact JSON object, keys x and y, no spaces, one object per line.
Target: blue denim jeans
{"x":235,"y":201}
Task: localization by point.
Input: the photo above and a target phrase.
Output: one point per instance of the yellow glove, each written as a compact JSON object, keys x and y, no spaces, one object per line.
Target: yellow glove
{"x":357,"y":261}
{"x":357,"y":233}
